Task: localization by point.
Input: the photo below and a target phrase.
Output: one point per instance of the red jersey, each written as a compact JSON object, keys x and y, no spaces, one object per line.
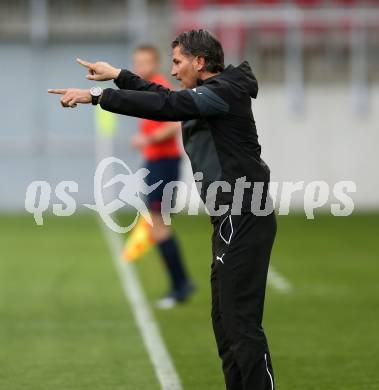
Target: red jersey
{"x":167,"y":148}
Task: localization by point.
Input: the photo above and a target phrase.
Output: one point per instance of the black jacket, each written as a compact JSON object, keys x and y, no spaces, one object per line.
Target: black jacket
{"x":219,"y":132}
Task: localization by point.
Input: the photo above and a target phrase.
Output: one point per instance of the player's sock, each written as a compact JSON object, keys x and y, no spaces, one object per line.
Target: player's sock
{"x":172,"y":258}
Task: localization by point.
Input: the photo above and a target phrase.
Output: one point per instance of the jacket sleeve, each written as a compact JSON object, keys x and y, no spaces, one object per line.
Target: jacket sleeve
{"x":129,"y":80}
{"x":165,"y":105}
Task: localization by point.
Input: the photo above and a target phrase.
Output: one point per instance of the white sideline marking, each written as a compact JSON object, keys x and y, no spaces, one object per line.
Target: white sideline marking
{"x":278,"y":281}
{"x":148,"y":327}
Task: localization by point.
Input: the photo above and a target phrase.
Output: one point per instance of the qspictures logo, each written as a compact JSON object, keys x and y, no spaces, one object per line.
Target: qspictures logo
{"x":176,"y":195}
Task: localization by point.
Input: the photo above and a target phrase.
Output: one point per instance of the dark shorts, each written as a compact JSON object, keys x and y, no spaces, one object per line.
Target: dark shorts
{"x":166,"y":169}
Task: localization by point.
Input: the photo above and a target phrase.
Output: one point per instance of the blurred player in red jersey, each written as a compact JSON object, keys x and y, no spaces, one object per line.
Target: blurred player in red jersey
{"x":159,"y":145}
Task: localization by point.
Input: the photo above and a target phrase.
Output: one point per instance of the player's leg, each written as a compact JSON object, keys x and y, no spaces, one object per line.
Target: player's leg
{"x":180,"y":284}
{"x":171,"y":255}
{"x":244,"y":243}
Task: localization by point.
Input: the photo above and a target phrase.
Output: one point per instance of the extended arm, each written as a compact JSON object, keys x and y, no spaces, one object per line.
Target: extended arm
{"x":129,"y":80}
{"x":169,"y":106}
{"x":124,"y":79}
{"x":166,"y":105}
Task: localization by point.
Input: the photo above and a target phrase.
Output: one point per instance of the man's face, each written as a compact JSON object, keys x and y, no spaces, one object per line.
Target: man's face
{"x":185,"y":68}
{"x":145,"y":64}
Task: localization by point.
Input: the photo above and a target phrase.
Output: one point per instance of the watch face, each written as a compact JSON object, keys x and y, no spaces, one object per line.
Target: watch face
{"x":96,"y":91}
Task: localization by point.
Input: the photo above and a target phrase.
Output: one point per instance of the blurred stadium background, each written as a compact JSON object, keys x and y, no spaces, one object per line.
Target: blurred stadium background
{"x":63,"y":321}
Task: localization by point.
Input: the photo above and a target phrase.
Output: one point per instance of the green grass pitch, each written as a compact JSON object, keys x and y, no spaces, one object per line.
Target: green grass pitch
{"x":65,"y":324}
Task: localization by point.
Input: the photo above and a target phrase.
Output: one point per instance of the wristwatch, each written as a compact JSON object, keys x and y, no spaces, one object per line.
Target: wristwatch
{"x":95,"y":94}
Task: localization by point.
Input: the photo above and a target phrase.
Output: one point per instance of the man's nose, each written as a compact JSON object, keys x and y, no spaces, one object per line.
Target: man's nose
{"x":173,"y":71}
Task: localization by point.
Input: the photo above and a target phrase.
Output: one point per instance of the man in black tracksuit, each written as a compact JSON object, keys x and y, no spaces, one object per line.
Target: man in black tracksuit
{"x":221,"y":141}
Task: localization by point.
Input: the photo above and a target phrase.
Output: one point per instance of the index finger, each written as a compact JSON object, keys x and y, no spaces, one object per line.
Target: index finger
{"x":84,"y":63}
{"x":57,"y":91}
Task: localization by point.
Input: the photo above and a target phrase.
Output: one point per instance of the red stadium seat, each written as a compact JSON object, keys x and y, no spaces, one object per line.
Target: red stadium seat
{"x":267,"y":2}
{"x":191,"y":4}
{"x":345,"y":2}
{"x":310,"y":3}
{"x":228,"y":2}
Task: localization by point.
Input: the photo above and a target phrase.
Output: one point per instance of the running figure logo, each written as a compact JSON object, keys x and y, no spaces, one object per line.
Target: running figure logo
{"x":133,"y":186}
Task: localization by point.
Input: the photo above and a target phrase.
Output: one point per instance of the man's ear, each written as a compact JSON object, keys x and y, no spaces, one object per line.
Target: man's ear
{"x":200,"y":64}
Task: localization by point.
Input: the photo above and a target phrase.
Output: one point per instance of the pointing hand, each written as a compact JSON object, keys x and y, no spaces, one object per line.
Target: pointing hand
{"x":72,"y":96}
{"x":99,"y":71}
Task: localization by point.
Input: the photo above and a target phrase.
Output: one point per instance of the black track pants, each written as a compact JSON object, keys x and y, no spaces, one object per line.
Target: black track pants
{"x":241,"y":247}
